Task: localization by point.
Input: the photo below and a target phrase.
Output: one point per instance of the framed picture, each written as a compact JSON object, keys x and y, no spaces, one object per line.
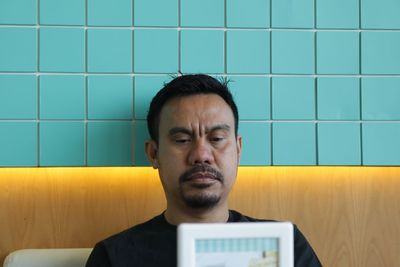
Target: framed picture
{"x":258,"y":244}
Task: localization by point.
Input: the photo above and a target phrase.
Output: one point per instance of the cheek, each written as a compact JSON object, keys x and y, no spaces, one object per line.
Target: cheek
{"x":228,"y":156}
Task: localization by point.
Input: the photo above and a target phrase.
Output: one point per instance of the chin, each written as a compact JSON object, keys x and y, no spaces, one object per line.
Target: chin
{"x":202,"y":200}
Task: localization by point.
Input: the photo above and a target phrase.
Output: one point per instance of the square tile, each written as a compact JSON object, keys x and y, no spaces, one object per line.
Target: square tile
{"x":140,"y":136}
{"x":339,"y":143}
{"x":145,"y":89}
{"x":293,"y":52}
{"x":256,"y":140}
{"x":250,"y":13}
{"x":18,"y":144}
{"x":109,"y":143}
{"x":155,"y":51}
{"x":252,"y":95}
{"x":67,"y":12}
{"x":202,"y":51}
{"x":18,"y":12}
{"x":292,"y":14}
{"x":109,"y":13}
{"x":62,"y":97}
{"x":294,"y":143}
{"x":293,"y":98}
{"x":338,"y":52}
{"x":62,"y":49}
{"x":62,"y":144}
{"x":193,"y":13}
{"x":380,"y":98}
{"x":248,"y":51}
{"x":18,"y":97}
{"x":380,"y":53}
{"x":18,"y":49}
{"x":338,"y":14}
{"x":381,"y":143}
{"x":383,"y":14}
{"x":110,"y":97}
{"x":155,"y":13}
{"x":109,"y":50}
{"x":338,"y":98}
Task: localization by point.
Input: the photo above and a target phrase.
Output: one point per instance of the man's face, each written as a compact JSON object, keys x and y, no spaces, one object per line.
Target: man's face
{"x":198,"y":152}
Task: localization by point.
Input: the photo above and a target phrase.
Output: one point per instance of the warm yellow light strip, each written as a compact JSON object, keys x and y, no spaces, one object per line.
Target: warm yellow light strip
{"x":248,"y":172}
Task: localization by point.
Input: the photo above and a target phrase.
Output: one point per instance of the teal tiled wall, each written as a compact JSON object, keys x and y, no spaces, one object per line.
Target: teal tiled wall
{"x":317,"y":82}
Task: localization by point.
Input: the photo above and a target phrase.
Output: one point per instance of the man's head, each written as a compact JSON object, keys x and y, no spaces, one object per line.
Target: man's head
{"x":184,"y":86}
{"x":193,"y":125}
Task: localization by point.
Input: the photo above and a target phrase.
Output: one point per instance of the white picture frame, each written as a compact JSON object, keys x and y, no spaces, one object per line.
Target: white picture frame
{"x":253,"y":244}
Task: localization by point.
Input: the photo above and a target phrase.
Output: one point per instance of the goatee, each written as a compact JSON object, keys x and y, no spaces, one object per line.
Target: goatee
{"x":203,"y":199}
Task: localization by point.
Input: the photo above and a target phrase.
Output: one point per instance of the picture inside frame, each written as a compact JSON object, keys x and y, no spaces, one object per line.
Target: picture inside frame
{"x":237,"y":252}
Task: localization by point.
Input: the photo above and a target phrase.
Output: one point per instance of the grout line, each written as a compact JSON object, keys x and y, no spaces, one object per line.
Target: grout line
{"x":272,"y":143}
{"x":361,"y":145}
{"x":225,"y":53}
{"x":361,"y":118}
{"x":315,"y":54}
{"x":38,"y":82}
{"x":225,"y":15}
{"x":360,"y":53}
{"x":85,"y":121}
{"x":270,"y":117}
{"x":316,"y":144}
{"x":359,"y":14}
{"x":38,"y":120}
{"x":270,"y":14}
{"x":86,"y":83}
{"x":179,"y":51}
{"x":225,"y":39}
{"x":315,"y":14}
{"x":199,"y":28}
{"x":133,"y":158}
{"x":360,"y":98}
{"x":236,"y":74}
{"x":179,"y":38}
{"x":270,"y":54}
{"x":244,"y":120}
{"x":133,"y":38}
{"x":133,"y":87}
{"x":316,"y":99}
{"x":271,"y":102}
{"x":133,"y":123}
{"x":133,"y":14}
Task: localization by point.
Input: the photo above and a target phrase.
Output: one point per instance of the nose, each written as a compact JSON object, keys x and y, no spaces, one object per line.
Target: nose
{"x":200,"y":153}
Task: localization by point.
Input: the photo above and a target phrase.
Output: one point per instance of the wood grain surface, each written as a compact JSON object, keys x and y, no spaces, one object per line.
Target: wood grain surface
{"x":350,"y":215}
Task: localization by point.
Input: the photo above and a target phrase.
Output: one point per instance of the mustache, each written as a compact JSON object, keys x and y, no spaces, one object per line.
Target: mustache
{"x":201,"y":168}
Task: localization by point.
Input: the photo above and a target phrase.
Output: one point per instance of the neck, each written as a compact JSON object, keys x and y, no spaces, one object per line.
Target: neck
{"x":218,"y":214}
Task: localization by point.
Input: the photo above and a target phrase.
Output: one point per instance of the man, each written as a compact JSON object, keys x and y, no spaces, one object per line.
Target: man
{"x":193,"y":125}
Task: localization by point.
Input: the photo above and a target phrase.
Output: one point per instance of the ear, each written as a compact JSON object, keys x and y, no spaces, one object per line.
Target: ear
{"x":239,"y":147}
{"x":151,"y":150}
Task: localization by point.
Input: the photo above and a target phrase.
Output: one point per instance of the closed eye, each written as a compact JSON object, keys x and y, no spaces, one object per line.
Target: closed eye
{"x":216,"y":139}
{"x":182,"y":140}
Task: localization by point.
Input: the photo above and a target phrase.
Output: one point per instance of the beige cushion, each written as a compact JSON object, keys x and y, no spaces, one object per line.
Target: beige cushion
{"x":66,"y":257}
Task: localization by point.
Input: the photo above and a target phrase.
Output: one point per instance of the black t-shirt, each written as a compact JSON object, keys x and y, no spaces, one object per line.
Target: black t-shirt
{"x":153,"y":244}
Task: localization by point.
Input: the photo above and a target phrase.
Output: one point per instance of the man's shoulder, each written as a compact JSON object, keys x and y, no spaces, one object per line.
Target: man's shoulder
{"x":235,"y":216}
{"x":140,"y":232}
{"x":146,"y":244}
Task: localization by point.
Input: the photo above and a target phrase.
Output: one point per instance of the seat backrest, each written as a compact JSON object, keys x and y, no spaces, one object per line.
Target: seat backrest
{"x":65,"y":257}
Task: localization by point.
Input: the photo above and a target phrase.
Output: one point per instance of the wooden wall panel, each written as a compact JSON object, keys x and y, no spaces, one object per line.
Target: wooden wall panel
{"x":73,"y":207}
{"x":351,"y":215}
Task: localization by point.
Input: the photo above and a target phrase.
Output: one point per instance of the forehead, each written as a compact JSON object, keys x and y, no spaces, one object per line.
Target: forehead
{"x":199,"y":109}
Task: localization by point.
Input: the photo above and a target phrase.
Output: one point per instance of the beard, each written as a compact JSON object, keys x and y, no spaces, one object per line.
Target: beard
{"x":202,"y":199}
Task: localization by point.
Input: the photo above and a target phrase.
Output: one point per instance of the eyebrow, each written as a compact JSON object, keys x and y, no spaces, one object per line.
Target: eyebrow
{"x":176,"y":130}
